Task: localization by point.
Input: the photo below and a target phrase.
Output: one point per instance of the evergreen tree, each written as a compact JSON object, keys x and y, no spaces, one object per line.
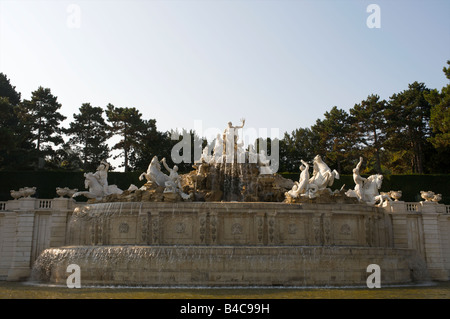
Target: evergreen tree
{"x":9,"y":91}
{"x":194,"y":143}
{"x":66,"y":157}
{"x":151,"y":143}
{"x":7,"y":124}
{"x":301,"y":144}
{"x":440,"y":114}
{"x":40,"y":122}
{"x":370,"y":124}
{"x":16,"y":148}
{"x":129,"y":125}
{"x":408,"y":128}
{"x":90,"y":133}
{"x":9,"y":141}
{"x":337,"y":138}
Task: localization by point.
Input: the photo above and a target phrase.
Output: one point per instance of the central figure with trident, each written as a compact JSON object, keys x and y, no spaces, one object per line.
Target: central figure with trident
{"x":230,"y":140}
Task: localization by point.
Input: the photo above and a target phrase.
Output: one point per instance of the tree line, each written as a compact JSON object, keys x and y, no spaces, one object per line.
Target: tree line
{"x":409,"y":133}
{"x":31,"y":135}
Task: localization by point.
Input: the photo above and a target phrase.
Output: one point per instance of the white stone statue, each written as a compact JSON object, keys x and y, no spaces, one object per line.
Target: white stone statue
{"x":173,"y":185}
{"x":264,"y":163}
{"x":102,"y":176}
{"x":96,"y":190}
{"x":97,"y":183}
{"x":359,"y":181}
{"x":218,"y":150}
{"x":252,"y":155}
{"x":205,"y":157}
{"x":304,"y":176}
{"x":154,"y":173}
{"x":132,"y":188}
{"x":231,"y":136}
{"x":174,"y":179}
{"x":370,"y":191}
{"x":301,"y":187}
{"x":240,"y":152}
{"x":322,"y":176}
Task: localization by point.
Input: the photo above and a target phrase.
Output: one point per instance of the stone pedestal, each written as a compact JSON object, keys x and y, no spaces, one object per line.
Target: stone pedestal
{"x":7,"y":241}
{"x":419,"y":226}
{"x":398,"y":215}
{"x":433,"y":248}
{"x":61,"y":203}
{"x":21,"y":259}
{"x":26,"y":204}
{"x":428,"y":207}
{"x":395,"y":206}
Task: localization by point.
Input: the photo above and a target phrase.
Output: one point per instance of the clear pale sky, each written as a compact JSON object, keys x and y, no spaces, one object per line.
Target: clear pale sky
{"x":279,"y":64}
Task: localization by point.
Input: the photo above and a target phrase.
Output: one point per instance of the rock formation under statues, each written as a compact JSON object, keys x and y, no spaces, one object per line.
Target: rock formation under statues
{"x":230,"y":173}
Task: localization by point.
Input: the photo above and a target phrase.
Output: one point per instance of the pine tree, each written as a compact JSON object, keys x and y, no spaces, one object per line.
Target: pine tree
{"x":8,"y":90}
{"x":336,"y":139}
{"x":90,"y":133}
{"x":40,"y":121}
{"x":129,"y":125}
{"x":9,"y":141}
{"x":408,"y":128}
{"x":301,"y":144}
{"x":440,"y":114}
{"x":370,"y":123}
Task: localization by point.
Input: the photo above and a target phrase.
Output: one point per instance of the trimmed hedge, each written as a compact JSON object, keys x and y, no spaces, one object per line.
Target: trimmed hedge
{"x":47,"y":181}
{"x":410,"y":185}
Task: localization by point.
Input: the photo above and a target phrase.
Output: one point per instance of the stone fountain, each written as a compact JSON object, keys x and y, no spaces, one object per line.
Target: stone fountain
{"x":232,"y":221}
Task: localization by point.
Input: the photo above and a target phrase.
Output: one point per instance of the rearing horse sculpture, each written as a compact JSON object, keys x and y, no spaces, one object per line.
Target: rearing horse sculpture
{"x":322,"y":176}
{"x":369,"y":192}
{"x":96,"y":190}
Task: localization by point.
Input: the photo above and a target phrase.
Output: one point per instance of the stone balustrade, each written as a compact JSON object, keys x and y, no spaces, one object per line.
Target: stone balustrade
{"x":413,"y":207}
{"x":425,"y":227}
{"x":28,"y":226}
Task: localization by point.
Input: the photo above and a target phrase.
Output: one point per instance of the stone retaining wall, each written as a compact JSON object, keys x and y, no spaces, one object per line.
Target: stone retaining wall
{"x":28,"y":226}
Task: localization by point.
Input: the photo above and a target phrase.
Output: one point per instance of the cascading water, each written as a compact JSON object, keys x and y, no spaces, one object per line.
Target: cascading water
{"x":221,"y":244}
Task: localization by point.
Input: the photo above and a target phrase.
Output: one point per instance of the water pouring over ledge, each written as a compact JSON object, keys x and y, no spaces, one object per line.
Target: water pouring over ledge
{"x":229,"y":223}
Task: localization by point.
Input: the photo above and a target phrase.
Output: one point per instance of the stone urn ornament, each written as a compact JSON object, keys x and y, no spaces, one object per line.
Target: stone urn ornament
{"x":66,"y":191}
{"x":396,"y":195}
{"x":16,"y":194}
{"x":436,"y":198}
{"x":62,"y":191}
{"x":28,"y":191}
{"x":428,"y":196}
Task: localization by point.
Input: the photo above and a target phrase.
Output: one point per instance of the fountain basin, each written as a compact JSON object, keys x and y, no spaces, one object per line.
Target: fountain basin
{"x":226,"y":266}
{"x":229,"y":244}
